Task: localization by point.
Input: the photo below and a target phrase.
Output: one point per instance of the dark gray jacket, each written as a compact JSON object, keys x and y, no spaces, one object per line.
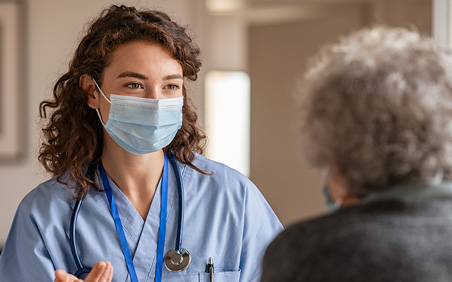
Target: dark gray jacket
{"x":387,"y":239}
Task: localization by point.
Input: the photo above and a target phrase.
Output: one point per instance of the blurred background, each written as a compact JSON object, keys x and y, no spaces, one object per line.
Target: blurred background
{"x":254,"y":51}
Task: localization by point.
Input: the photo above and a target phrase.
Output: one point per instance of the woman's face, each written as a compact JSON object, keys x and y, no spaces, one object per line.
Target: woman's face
{"x":140,"y":69}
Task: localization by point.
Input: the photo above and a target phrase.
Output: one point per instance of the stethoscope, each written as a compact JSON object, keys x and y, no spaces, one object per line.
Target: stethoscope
{"x":175,"y":260}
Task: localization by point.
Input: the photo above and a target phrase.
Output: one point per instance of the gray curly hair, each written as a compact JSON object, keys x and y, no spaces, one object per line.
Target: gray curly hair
{"x":378,"y":106}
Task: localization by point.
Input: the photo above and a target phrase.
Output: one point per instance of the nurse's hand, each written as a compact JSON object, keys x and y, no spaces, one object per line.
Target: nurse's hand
{"x":101,"y":272}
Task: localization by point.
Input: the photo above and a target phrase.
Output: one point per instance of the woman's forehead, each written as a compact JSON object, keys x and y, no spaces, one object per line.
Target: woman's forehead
{"x":148,"y":59}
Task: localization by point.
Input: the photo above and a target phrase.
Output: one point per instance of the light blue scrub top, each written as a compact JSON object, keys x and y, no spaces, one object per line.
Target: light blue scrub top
{"x":226,"y":218}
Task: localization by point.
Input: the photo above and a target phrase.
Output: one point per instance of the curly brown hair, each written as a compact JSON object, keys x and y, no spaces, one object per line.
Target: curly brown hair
{"x":73,"y":131}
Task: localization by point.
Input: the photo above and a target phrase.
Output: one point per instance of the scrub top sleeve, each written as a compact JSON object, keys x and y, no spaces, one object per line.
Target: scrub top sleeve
{"x":260,"y":227}
{"x":24,"y":256}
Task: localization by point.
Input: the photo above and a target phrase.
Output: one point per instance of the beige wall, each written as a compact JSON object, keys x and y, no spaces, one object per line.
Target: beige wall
{"x":292,"y":189}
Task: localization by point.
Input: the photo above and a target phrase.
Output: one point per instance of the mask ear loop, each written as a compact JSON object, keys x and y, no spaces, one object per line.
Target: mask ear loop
{"x":105,"y":97}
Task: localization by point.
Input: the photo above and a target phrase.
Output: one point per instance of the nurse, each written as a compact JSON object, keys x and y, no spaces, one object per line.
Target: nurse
{"x":117,"y":118}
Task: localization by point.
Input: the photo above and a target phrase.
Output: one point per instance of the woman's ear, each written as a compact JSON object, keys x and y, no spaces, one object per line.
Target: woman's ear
{"x":86,"y":83}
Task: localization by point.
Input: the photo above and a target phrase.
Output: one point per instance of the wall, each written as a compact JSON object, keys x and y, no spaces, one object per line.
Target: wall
{"x":292,"y":188}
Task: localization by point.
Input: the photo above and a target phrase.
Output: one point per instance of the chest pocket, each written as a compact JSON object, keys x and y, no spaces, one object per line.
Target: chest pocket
{"x":224,"y":276}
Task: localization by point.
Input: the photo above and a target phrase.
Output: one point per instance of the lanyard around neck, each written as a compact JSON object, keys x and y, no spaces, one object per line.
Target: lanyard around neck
{"x":120,"y":229}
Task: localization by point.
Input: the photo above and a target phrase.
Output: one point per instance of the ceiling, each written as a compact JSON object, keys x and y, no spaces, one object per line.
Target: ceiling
{"x":267,"y":11}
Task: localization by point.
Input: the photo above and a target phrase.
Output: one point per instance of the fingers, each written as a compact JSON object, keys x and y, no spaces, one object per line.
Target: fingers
{"x":63,"y":276}
{"x":60,"y":276}
{"x":110,"y":274}
{"x":101,"y":272}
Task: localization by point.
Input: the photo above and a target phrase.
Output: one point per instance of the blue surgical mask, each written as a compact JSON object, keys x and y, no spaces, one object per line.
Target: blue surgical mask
{"x":142,"y":125}
{"x":332,"y":206}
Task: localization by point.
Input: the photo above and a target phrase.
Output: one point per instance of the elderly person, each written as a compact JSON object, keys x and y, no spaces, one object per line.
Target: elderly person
{"x":377,"y":119}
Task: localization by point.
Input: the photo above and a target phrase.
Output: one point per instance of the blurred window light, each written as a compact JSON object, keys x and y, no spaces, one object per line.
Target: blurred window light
{"x":224,"y":5}
{"x":441,"y":24}
{"x":227,"y":118}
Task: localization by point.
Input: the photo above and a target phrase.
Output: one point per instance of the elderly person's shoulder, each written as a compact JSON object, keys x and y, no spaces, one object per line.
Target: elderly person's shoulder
{"x":338,"y":231}
{"x":387,"y":238}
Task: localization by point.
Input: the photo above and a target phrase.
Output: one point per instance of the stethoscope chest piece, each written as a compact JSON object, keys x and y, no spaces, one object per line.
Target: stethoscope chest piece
{"x":176,"y":260}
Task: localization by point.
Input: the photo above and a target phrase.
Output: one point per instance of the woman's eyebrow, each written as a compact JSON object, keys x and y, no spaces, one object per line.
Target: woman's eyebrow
{"x":173,"y":76}
{"x":142,"y":76}
{"x":133,"y":74}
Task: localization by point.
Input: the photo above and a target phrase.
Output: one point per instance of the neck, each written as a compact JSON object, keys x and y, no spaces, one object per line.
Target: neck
{"x":136,"y":175}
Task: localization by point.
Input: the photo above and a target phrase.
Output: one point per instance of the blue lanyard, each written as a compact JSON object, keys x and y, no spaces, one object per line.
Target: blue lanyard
{"x":120,"y":229}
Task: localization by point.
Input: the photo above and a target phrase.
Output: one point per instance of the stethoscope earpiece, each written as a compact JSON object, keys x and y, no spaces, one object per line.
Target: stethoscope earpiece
{"x":176,"y":260}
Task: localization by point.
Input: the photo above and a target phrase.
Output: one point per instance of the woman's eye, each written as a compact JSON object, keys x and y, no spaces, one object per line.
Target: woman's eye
{"x":172,"y":87}
{"x":134,"y":86}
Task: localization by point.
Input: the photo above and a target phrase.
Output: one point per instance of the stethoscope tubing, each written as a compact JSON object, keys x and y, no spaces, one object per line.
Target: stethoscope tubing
{"x":180,"y":189}
{"x":80,"y":268}
{"x":72,"y":237}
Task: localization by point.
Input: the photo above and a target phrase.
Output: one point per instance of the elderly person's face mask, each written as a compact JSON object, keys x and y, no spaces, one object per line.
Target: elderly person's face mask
{"x":335,"y":190}
{"x":331,"y":205}
{"x":329,"y":202}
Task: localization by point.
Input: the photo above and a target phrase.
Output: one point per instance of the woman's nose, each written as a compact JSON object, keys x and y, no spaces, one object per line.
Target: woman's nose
{"x":153,"y":93}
